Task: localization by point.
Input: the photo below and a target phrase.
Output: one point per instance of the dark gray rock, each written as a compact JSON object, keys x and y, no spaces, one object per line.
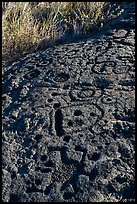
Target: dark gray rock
{"x":68,"y":127}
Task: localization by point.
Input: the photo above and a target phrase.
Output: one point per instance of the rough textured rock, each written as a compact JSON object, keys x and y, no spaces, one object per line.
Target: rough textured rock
{"x":68,"y":125}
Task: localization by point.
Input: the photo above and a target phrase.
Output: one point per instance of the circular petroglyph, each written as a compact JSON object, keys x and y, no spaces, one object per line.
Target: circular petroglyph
{"x":61,"y":77}
{"x":107,"y":99}
{"x":32,"y":74}
{"x":80,"y":95}
{"x":104,"y":67}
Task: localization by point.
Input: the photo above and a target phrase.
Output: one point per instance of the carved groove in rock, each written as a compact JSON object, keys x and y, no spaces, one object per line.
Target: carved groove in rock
{"x":58,"y":122}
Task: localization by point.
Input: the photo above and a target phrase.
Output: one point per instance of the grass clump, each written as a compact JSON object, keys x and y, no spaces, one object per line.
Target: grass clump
{"x":30,"y":26}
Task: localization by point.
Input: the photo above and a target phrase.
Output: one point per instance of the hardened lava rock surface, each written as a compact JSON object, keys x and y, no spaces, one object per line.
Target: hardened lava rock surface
{"x":68,"y":127}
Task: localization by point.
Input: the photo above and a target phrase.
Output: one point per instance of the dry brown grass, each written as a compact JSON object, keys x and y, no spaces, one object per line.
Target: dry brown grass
{"x":28,"y":26}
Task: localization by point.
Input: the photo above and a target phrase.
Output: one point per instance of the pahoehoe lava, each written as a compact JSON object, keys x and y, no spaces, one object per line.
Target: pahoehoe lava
{"x":68,"y":119}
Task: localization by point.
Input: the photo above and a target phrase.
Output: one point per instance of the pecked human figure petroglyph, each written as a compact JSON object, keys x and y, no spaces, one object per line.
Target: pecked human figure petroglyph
{"x":68,"y":126}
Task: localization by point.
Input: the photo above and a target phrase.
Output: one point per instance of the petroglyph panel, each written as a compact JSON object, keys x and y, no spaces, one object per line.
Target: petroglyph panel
{"x":68,"y":120}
